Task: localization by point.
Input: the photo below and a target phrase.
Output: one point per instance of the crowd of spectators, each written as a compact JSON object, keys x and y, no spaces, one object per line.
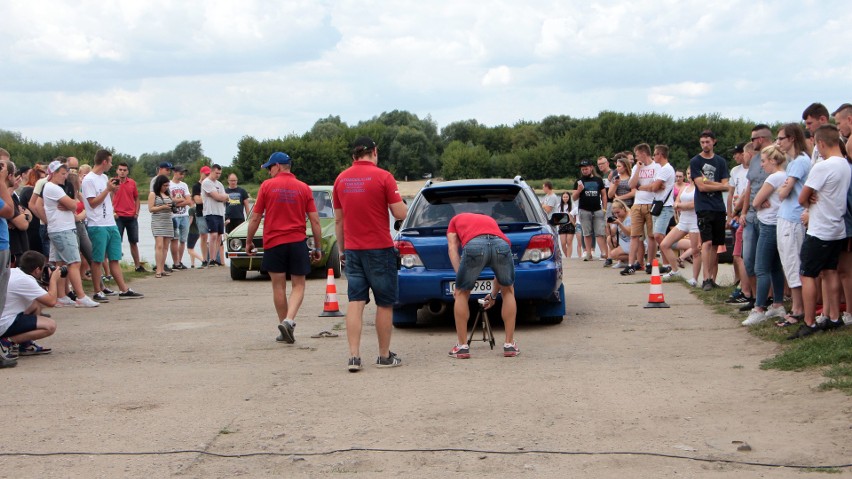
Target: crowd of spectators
{"x":785,"y":209}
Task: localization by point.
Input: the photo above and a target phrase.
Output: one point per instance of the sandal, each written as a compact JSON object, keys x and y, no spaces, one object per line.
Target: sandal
{"x":680,"y":263}
{"x":796,"y":318}
{"x":325,"y":334}
{"x":158,"y":275}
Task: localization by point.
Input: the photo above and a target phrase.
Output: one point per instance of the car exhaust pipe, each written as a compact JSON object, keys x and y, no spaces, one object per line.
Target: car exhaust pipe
{"x":437,"y":307}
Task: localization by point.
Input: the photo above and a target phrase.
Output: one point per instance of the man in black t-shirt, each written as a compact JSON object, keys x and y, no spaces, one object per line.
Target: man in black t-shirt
{"x":709,"y":172}
{"x":237,"y":207}
{"x":590,"y":193}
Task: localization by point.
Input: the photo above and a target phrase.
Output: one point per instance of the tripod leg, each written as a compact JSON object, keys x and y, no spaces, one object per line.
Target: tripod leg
{"x":473,"y":329}
{"x":486,"y":327}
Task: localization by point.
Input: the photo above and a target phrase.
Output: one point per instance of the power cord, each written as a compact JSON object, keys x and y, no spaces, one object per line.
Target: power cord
{"x":441,"y":449}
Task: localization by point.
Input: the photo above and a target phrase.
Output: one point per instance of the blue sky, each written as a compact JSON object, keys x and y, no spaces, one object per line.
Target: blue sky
{"x":144,"y":76}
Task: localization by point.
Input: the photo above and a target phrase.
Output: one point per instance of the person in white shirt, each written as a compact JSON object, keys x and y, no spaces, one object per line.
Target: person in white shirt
{"x":59,"y":211}
{"x":663,"y":187}
{"x":21,"y":321}
{"x":106,"y":240}
{"x":641,"y":221}
{"x":182,"y":201}
{"x":824,"y":195}
{"x":214,"y":198}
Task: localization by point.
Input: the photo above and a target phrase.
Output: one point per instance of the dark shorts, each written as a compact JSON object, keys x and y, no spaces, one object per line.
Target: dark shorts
{"x":289,"y":258}
{"x":566,"y":229}
{"x":711,"y":225}
{"x":215,"y":224}
{"x":482,"y":251}
{"x":374,"y":269}
{"x":233,"y":223}
{"x":191,"y":240}
{"x":818,"y":255}
{"x":131,"y":224}
{"x":24,"y":323}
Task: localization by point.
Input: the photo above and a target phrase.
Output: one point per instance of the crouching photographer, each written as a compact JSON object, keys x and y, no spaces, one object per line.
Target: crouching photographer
{"x":21,"y":322}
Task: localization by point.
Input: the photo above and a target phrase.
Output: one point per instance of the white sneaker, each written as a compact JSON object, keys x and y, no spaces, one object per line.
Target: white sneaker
{"x":672,"y":275}
{"x":619,"y":265}
{"x":692,"y":282}
{"x":778,"y":312}
{"x":64,"y":301}
{"x":847,"y":318}
{"x":821,"y":319}
{"x":755,"y":317}
{"x":86,"y":302}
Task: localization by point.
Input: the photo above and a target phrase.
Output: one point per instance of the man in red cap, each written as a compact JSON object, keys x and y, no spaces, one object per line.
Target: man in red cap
{"x":285,"y":201}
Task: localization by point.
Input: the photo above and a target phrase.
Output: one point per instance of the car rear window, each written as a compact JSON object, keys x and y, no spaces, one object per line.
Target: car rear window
{"x":436,"y":208}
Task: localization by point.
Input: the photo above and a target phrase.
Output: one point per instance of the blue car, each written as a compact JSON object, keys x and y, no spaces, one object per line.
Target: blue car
{"x":426,"y":276}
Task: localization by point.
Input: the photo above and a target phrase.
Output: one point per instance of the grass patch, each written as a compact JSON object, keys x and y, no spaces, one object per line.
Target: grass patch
{"x":832,"y":350}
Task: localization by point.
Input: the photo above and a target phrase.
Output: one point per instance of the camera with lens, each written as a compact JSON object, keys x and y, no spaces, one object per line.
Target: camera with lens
{"x":49,"y":269}
{"x":610,"y":219}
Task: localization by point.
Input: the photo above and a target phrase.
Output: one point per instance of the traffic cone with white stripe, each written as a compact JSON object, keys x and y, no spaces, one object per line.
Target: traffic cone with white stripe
{"x":655,"y":298}
{"x":331,"y":307}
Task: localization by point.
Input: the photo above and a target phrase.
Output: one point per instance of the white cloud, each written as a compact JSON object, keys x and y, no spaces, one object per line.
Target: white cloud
{"x":501,"y":75}
{"x":668,"y":94}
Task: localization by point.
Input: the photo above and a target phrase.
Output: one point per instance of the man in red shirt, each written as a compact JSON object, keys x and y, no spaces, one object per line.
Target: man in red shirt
{"x":125,"y":203}
{"x":286,"y":201}
{"x":362,"y":195}
{"x":482,"y":244}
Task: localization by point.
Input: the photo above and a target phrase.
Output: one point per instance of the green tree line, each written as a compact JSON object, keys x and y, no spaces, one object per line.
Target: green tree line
{"x":411,"y":147}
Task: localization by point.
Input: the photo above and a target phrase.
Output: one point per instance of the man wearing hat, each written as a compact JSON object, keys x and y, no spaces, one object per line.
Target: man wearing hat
{"x":164,"y":169}
{"x":182,"y":200}
{"x":285,"y":201}
{"x":362,"y":195}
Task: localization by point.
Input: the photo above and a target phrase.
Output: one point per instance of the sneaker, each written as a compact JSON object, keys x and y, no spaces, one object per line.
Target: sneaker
{"x":130,"y":294}
{"x":707,"y":285}
{"x":72,"y":295}
{"x":218,"y":263}
{"x":692,"y":282}
{"x":736,"y":294}
{"x":821,"y":319}
{"x":665,"y":269}
{"x":748,"y":305}
{"x":182,"y":266}
{"x":588,"y":257}
{"x":167,"y":269}
{"x":619,"y":265}
{"x":741,"y":299}
{"x":108,"y":292}
{"x":141,"y":269}
{"x":804,"y":331}
{"x":8,"y":357}
{"x":778,"y":312}
{"x":203,"y":264}
{"x":627,"y":271}
{"x":286,"y":327}
{"x":755,"y":317}
{"x":64,"y":301}
{"x":100,"y":297}
{"x":510,"y":350}
{"x":648,"y":268}
{"x":672,"y":275}
{"x":847,"y":318}
{"x":86,"y":302}
{"x":391,"y":361}
{"x":832,"y":324}
{"x":354,"y":364}
{"x":30,"y":348}
{"x":460,"y":351}
{"x":607,"y":263}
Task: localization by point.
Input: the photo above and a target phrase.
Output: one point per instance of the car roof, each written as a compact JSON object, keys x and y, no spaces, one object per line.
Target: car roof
{"x":321,"y":187}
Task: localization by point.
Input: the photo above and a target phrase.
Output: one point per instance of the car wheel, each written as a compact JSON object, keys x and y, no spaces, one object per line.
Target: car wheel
{"x":238,"y":274}
{"x":405,"y":317}
{"x":334,"y":260}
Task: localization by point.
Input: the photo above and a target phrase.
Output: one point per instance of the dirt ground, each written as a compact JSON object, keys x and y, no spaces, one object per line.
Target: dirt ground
{"x":194,"y":367}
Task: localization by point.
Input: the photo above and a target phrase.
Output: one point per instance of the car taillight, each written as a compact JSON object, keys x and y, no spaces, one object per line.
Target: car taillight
{"x":539,"y":248}
{"x":407,"y":254}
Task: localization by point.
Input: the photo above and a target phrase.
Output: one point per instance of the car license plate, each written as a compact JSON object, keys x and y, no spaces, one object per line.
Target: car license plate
{"x":482,"y":286}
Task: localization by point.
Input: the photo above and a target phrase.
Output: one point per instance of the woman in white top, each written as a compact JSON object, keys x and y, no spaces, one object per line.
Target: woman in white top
{"x":687,"y":225}
{"x":767,"y":262}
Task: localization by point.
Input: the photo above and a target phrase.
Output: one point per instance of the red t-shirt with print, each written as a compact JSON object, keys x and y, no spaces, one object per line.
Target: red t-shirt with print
{"x":364,"y":191}
{"x":285,"y":201}
{"x":471,"y":225}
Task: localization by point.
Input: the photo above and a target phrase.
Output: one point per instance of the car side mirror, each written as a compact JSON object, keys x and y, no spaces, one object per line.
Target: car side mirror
{"x":558,"y":219}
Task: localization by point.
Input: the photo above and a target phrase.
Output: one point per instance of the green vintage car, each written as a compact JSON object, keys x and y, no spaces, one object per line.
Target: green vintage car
{"x":242,"y":263}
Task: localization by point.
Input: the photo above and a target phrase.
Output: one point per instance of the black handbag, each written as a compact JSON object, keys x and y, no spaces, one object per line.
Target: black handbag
{"x":657,"y":205}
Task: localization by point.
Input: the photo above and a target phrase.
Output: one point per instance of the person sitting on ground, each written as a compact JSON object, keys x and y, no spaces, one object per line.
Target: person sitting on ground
{"x":21,"y":321}
{"x":619,"y":222}
{"x":482,"y":244}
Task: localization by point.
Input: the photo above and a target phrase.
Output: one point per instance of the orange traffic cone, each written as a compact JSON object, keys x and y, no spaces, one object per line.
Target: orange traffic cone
{"x":330,"y":308}
{"x":655,"y":297}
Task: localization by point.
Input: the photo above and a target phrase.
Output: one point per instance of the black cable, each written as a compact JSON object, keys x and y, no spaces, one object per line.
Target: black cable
{"x":441,"y":449}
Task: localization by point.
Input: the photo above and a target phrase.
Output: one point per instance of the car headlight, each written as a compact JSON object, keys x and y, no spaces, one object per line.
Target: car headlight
{"x":235,"y":244}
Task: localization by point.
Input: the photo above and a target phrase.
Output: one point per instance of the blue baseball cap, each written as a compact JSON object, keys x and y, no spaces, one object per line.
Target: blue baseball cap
{"x":166,"y":164}
{"x":277,"y":158}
